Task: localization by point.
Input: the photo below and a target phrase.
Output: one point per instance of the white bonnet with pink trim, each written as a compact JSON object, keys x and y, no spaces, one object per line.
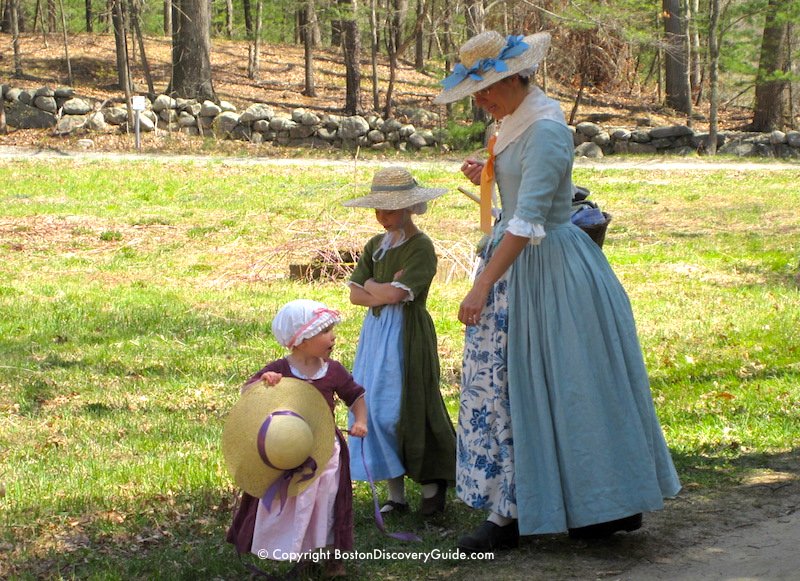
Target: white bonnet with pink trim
{"x":302,"y":319}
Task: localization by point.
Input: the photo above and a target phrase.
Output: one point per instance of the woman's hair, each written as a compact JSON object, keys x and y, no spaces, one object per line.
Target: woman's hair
{"x":525,"y":81}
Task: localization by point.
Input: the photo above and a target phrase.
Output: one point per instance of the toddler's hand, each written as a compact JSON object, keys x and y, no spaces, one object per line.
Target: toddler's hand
{"x":398,"y":274}
{"x":271,"y":378}
{"x":358,"y":429}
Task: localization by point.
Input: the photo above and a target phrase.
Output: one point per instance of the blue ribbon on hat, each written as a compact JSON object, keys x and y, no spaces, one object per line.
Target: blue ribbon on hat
{"x":515,"y":46}
{"x":280,"y":487}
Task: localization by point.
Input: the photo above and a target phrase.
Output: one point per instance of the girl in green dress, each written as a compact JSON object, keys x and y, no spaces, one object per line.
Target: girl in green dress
{"x":397,"y":362}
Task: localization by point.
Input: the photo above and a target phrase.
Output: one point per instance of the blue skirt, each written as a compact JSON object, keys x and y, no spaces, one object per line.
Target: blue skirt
{"x":378,"y":367}
{"x":572,"y":439}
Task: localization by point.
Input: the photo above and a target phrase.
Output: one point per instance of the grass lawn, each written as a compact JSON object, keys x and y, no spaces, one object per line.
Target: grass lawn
{"x":136,"y":297}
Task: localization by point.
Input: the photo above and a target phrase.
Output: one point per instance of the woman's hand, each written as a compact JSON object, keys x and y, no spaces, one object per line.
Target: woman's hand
{"x":471,"y":307}
{"x":472,"y":168}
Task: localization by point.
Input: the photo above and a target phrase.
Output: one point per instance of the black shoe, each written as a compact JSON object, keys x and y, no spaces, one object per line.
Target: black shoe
{"x":604,"y":530}
{"x":489,"y":536}
{"x":435,"y":503}
{"x":392,"y":507}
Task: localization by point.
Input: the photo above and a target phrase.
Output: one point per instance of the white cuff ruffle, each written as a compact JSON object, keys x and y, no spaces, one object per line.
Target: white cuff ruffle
{"x":519,"y":227}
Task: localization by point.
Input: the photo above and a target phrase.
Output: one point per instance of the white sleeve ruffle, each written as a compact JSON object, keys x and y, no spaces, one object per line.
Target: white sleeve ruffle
{"x":405,"y":288}
{"x":519,"y":227}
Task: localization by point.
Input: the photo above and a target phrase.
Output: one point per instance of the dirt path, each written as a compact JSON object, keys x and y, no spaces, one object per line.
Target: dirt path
{"x":761,"y":550}
{"x":655,"y":163}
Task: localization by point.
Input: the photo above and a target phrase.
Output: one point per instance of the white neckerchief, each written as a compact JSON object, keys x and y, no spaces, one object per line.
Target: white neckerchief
{"x":390,"y":240}
{"x":535,"y":106}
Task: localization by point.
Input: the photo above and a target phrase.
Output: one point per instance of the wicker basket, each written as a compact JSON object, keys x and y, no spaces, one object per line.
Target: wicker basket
{"x":597,"y":232}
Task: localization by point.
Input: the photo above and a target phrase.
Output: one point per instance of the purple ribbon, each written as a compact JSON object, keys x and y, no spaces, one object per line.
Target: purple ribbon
{"x":514,"y":47}
{"x":378,"y":515}
{"x":281,"y":486}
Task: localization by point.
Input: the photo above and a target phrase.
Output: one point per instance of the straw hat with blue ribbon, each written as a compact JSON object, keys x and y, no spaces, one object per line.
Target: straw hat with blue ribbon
{"x":277,"y":440}
{"x":489,"y":57}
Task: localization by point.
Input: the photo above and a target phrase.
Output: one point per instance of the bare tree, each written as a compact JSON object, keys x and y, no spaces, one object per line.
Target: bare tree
{"x":351,"y":46}
{"x":167,"y":16}
{"x":191,"y":50}
{"x":248,"y":18}
{"x":66,"y":43}
{"x":135,"y":16}
{"x":305,"y":18}
{"x":373,"y":27}
{"x":773,"y":68}
{"x":120,"y":38}
{"x":3,"y":129}
{"x":676,"y":58}
{"x":89,"y":16}
{"x":713,"y":75}
{"x":14,"y":17}
{"x":254,"y":48}
{"x":397,"y":45}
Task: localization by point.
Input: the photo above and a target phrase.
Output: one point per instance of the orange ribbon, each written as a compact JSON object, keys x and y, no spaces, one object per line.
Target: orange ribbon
{"x":487,"y":179}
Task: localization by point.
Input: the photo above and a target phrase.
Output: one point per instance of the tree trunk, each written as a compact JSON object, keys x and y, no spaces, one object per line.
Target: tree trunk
{"x":38,"y":16}
{"x":352,"y":58}
{"x":229,"y":18}
{"x":675,"y":62}
{"x":713,"y":76}
{"x":475,"y":16}
{"x":167,"y":17}
{"x":248,"y":18}
{"x":307,"y":36}
{"x":373,"y":25}
{"x":191,"y":51}
{"x":89,"y":16}
{"x":773,"y":67}
{"x":15,"y":38}
{"x":254,"y":60}
{"x":137,"y":29}
{"x":696,"y":64}
{"x":123,"y":77}
{"x":66,"y":43}
{"x":419,"y":56}
{"x":394,"y":38}
{"x":52,"y":15}
{"x":3,"y":128}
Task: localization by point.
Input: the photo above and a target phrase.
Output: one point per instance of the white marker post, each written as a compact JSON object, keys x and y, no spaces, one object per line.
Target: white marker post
{"x":138,"y":105}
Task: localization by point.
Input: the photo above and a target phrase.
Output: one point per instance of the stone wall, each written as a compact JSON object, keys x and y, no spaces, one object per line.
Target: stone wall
{"x":65,"y":113}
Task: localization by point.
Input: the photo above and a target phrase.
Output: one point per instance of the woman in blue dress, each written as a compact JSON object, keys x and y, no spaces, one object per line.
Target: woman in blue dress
{"x":557,"y":430}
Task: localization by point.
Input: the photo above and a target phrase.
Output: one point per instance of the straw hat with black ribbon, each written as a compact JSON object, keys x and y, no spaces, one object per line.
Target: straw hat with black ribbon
{"x":394,"y":188}
{"x":489,"y":57}
{"x":277,"y":440}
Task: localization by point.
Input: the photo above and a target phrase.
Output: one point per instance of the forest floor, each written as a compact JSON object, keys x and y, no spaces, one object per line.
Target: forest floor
{"x":280,"y":83}
{"x":744,"y":531}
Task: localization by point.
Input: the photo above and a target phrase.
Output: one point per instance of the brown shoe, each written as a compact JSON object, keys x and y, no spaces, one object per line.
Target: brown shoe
{"x":435,"y":504}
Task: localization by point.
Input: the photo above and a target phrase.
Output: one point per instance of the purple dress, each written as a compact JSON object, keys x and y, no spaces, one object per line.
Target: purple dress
{"x":337,"y":380}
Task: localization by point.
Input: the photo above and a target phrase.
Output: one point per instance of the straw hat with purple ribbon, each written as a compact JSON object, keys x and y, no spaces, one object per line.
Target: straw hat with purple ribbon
{"x":394,"y":188}
{"x":489,"y":57}
{"x":277,"y":440}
